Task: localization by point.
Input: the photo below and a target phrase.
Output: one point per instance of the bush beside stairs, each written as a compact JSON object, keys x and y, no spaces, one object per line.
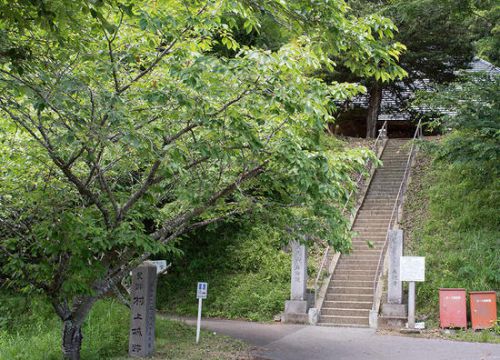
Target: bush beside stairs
{"x":349,"y":297}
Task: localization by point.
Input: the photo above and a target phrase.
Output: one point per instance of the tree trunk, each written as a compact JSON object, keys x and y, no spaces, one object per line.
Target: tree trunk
{"x":373,"y":110}
{"x":72,"y":340}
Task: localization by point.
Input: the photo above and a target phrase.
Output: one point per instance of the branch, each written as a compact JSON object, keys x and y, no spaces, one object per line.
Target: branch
{"x":107,"y":189}
{"x":139,"y":193}
{"x":182,"y":219}
{"x":165,"y":52}
{"x":35,"y":90}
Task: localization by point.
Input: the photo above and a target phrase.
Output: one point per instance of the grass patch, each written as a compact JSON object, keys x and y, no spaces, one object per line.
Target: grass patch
{"x":35,"y":334}
{"x":484,"y":336}
{"x":247,"y":271}
{"x":451,"y":218}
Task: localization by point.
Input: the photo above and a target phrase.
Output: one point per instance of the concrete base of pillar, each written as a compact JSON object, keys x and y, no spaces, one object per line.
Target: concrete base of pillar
{"x":295,"y":318}
{"x":295,"y":307}
{"x":394,"y":310}
{"x":295,"y":312}
{"x":394,"y":316}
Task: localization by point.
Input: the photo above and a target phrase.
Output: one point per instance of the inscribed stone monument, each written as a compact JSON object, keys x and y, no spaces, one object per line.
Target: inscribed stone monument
{"x":395,"y":286}
{"x":143,"y":311}
{"x":296,"y":307}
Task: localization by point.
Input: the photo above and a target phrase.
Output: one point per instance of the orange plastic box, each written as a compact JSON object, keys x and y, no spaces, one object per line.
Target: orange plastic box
{"x":452,"y":308}
{"x":483,"y":309}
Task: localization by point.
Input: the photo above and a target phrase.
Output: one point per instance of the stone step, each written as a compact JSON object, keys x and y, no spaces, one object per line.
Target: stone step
{"x":388,"y":207}
{"x":375,"y":252}
{"x":369,"y":276}
{"x":382,"y":195}
{"x":344,"y":320}
{"x":380,"y":203}
{"x":382,"y":192}
{"x":374,"y":213}
{"x":341,"y":311}
{"x":372,"y":220}
{"x":369,"y":206}
{"x":395,"y":175}
{"x":402,"y":157}
{"x":365,"y":239}
{"x":390,"y":186}
{"x":348,"y":267}
{"x":384,"y":189}
{"x":364,"y":247}
{"x":379,"y":199}
{"x":351,"y":261}
{"x":360,"y":257}
{"x":395,"y":156}
{"x":350,"y":290}
{"x":377,"y":202}
{"x":393,"y":162}
{"x":387,"y":178}
{"x":386,"y":175}
{"x":349,"y":297}
{"x":367,"y":305}
{"x":365,"y":229}
{"x":356,"y":283}
{"x":367,"y":236}
{"x":371,"y":237}
{"x":377,"y":248}
{"x":363,"y":212}
{"x":342,"y":325}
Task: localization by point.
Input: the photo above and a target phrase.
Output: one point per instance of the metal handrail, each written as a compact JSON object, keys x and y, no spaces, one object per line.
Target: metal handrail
{"x":381,"y":135}
{"x":395,"y":209}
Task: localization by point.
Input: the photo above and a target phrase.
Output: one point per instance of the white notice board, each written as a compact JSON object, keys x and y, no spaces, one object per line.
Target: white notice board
{"x":412,"y":268}
{"x":160,"y":265}
{"x":202,"y":290}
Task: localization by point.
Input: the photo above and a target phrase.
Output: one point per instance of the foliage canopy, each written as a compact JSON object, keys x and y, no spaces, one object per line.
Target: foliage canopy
{"x":123,"y":129}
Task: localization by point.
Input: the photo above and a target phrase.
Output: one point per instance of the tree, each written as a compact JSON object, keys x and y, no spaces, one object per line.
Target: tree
{"x":437,"y":40}
{"x":468,"y":110}
{"x":122,"y":130}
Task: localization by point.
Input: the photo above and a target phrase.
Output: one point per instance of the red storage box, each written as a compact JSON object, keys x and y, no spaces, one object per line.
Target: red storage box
{"x":483,"y":309}
{"x":452,"y":308}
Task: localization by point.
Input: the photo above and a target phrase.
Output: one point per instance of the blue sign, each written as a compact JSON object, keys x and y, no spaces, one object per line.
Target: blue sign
{"x":202,"y":290}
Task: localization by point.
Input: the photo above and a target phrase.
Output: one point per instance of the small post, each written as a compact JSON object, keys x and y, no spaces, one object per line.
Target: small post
{"x":198,"y":323}
{"x":411,"y":305}
{"x":201,"y":293}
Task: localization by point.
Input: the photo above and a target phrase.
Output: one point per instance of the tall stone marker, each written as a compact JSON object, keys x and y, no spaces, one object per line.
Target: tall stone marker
{"x":395,"y":286}
{"x":299,"y":271}
{"x":296,"y":307}
{"x":143,"y":311}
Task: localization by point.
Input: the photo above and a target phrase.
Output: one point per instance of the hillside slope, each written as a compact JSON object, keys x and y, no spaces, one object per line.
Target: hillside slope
{"x":451,"y":218}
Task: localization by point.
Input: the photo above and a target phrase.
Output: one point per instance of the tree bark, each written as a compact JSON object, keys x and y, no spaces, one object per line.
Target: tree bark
{"x":375,"y":98}
{"x":72,"y":340}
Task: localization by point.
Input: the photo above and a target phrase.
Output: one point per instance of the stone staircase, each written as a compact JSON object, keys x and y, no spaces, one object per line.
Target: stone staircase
{"x":349,"y":296}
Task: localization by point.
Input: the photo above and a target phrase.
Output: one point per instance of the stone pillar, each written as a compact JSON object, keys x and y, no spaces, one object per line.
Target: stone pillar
{"x":394,"y":284}
{"x":143,"y":311}
{"x":299,"y":271}
{"x":394,"y":311}
{"x":296,"y":307}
